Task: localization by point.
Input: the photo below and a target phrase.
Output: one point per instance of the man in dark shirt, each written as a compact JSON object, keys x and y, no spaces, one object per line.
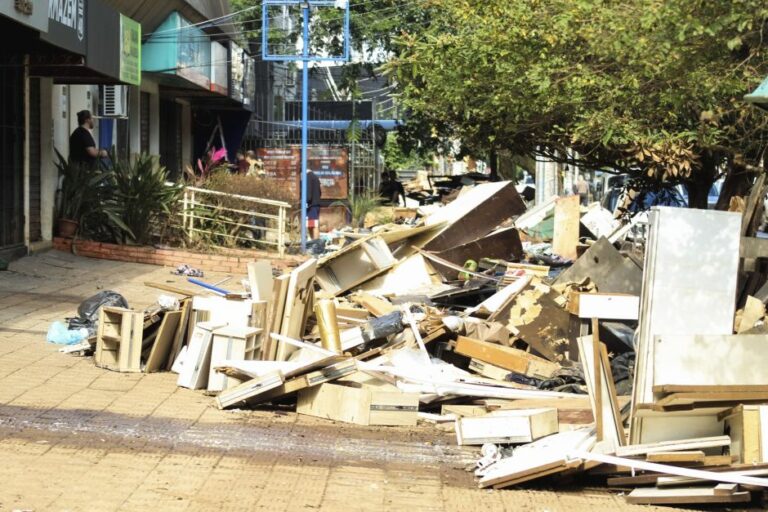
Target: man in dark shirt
{"x":314,"y":195}
{"x":82,"y":147}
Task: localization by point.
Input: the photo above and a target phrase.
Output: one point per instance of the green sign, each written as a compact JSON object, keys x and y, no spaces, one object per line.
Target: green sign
{"x":130,"y":50}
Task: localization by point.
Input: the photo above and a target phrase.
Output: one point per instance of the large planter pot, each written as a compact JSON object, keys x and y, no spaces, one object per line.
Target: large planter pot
{"x":67,"y":227}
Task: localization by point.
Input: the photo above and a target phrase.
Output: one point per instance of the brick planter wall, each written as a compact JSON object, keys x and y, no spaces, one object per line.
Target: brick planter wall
{"x":225,"y":260}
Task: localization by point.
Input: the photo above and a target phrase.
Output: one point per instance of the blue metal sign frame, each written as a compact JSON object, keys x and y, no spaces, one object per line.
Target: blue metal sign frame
{"x":305,"y":58}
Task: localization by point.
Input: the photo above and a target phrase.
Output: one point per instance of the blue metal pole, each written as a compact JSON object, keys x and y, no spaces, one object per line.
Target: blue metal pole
{"x":304,"y":126}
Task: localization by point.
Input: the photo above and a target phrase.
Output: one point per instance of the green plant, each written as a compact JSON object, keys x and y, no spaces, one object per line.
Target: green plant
{"x":359,"y":205}
{"x":78,"y":185}
{"x":142,"y":196}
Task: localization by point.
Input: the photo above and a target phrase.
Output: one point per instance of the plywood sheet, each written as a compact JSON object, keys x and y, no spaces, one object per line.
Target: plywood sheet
{"x":566,"y":235}
{"x":689,"y":288}
{"x":701,"y":360}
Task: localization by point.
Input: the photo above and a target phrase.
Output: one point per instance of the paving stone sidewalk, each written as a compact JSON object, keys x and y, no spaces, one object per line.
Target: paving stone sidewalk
{"x":76,"y":437}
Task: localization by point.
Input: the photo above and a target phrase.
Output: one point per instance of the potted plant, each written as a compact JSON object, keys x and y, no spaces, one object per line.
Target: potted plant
{"x":76,"y":181}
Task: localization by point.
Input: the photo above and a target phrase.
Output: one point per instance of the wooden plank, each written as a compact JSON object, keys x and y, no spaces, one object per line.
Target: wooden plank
{"x":241,"y":393}
{"x":756,"y":196}
{"x":668,"y":446}
{"x":166,"y":334}
{"x":260,"y":279}
{"x":678,"y":480}
{"x":532,"y":460}
{"x":275,"y":316}
{"x":607,"y":404}
{"x":607,"y":306}
{"x":507,"y":427}
{"x":180,"y":334}
{"x":375,"y":306}
{"x":506,"y":357}
{"x":681,"y":456}
{"x":656,"y":496}
{"x":566,"y":231}
{"x":667,"y":389}
{"x":184,"y":292}
{"x":488,"y":370}
{"x":499,"y":303}
{"x":297,"y":305}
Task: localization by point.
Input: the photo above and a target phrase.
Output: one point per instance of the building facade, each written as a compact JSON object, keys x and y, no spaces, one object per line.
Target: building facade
{"x":164,"y":78}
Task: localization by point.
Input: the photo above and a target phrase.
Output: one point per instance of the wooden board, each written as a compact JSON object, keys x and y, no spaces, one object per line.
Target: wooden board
{"x":566,"y":234}
{"x":545,"y":456}
{"x":197,"y":361}
{"x":241,"y":393}
{"x":260,"y":279}
{"x":606,"y":306}
{"x":681,"y":456}
{"x":488,"y":370}
{"x":686,"y":495}
{"x":181,"y":330}
{"x":605,"y":403}
{"x":667,"y":446}
{"x":708,"y":360}
{"x":315,"y":378}
{"x":506,"y":357}
{"x":359,"y":403}
{"x":166,"y":335}
{"x":680,"y":300}
{"x":297,"y":306}
{"x":374,"y":305}
{"x":275,"y":316}
{"x":507,"y":427}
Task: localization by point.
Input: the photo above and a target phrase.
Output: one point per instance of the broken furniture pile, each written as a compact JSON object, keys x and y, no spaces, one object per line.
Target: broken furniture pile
{"x":525,"y":332}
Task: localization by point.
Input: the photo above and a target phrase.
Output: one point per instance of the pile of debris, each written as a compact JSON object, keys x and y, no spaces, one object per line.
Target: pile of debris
{"x":525,"y":331}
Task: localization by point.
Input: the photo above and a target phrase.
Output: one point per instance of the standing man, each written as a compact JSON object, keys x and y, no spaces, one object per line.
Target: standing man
{"x":582,"y":188}
{"x":314,"y":195}
{"x":82,"y":147}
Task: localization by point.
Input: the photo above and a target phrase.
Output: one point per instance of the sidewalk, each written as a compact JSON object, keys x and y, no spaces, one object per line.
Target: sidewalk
{"x":76,"y":437}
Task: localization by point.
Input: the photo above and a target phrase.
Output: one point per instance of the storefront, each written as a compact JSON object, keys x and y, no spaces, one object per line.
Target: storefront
{"x":20,"y":22}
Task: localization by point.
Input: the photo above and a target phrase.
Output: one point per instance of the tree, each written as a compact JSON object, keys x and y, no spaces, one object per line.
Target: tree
{"x":649,"y":87}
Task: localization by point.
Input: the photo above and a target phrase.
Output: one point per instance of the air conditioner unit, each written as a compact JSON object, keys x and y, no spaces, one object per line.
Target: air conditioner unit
{"x":114,"y":100}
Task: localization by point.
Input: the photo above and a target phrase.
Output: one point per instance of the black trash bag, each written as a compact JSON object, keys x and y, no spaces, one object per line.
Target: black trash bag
{"x":88,"y":310}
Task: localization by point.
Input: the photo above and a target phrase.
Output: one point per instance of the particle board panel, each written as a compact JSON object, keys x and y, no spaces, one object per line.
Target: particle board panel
{"x":682,"y":496}
{"x":181,"y":331}
{"x":566,"y":234}
{"x":119,"y":339}
{"x":241,"y":393}
{"x":667,"y":446}
{"x":297,"y":305}
{"x":508,"y":358}
{"x":681,"y":298}
{"x":260,"y":279}
{"x":197,"y":361}
{"x":362,"y":404}
{"x":507,"y":427}
{"x":166,"y":334}
{"x":607,"y":402}
{"x":275,"y":316}
{"x":707,"y":360}
{"x":608,"y":306}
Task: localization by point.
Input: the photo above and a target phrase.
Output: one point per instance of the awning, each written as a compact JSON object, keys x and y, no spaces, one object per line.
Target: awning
{"x":759,"y":96}
{"x":178,"y":54}
{"x":101,"y":46}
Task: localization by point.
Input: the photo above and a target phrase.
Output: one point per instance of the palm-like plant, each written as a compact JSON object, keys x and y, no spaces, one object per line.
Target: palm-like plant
{"x":143,"y":196}
{"x":359,"y":205}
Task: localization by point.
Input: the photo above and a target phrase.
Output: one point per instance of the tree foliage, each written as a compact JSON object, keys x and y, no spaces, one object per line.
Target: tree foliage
{"x":651,"y":87}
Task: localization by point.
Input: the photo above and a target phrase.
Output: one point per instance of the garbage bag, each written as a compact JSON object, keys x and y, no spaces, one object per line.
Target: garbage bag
{"x":59,"y":334}
{"x":89,"y":309}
